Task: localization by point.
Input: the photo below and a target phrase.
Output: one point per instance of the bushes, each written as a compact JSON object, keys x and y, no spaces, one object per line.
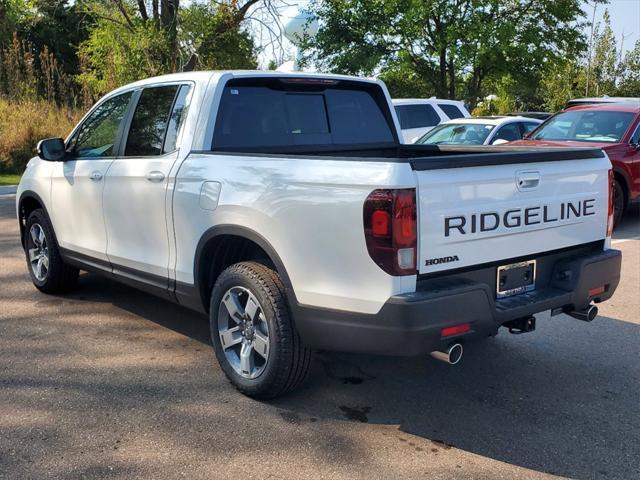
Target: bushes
{"x":23,"y":124}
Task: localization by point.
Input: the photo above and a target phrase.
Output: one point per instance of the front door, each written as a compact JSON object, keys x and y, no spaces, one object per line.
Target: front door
{"x":78,"y":183}
{"x":136,"y":188}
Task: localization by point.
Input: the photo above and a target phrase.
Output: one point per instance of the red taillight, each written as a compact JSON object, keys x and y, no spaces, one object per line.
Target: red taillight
{"x":596,"y":291}
{"x":390,"y":229}
{"x":611,"y":193}
{"x":455,"y":330}
{"x":380,"y":223}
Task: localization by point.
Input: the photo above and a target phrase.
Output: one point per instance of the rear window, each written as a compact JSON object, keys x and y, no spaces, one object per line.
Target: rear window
{"x":281,"y":114}
{"x":451,"y":111}
{"x":417,"y":116}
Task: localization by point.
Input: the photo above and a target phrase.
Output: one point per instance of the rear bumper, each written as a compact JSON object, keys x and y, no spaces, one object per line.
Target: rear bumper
{"x":411,"y":324}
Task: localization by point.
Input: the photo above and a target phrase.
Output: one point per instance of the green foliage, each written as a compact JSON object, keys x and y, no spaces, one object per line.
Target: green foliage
{"x":115,"y":54}
{"x":24,"y":123}
{"x":629,"y":85}
{"x":9,"y":179}
{"x":452,"y":49}
{"x":213,"y":38}
{"x":124,"y":47}
{"x":561,"y":82}
{"x":603,"y":71}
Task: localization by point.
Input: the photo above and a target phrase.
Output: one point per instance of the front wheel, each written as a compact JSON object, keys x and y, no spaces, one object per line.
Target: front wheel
{"x":253,"y":334}
{"x":48,"y":271}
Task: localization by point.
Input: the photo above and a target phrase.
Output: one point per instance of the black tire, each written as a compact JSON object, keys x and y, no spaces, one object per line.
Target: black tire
{"x":59,"y":277}
{"x":619,"y":203}
{"x":289,"y":360}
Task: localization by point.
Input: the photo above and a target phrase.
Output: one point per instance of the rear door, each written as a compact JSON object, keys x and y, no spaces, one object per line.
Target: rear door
{"x":136,"y":187}
{"x":483,"y":214}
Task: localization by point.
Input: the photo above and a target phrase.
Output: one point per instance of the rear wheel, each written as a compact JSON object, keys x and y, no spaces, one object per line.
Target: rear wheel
{"x":48,"y":271}
{"x":618,"y":202}
{"x":253,"y":335}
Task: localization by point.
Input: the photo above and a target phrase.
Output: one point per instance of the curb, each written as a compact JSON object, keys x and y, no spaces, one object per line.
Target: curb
{"x":8,"y":189}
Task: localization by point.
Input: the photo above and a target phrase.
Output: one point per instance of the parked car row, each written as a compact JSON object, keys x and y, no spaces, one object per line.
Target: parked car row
{"x":479,"y":131}
{"x":609,"y":123}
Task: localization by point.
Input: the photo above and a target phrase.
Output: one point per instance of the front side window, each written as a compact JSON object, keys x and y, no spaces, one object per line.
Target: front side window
{"x":150,"y":120}
{"x":585,"y":126}
{"x":417,"y":116}
{"x":97,"y":135}
{"x":457,"y":133}
{"x":451,"y":111}
{"x":529,"y":126}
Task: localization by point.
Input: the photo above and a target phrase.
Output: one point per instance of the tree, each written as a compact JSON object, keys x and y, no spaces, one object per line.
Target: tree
{"x":451,"y":47}
{"x":130,"y":39}
{"x":629,"y":85}
{"x":604,"y":61}
{"x":561,"y":82}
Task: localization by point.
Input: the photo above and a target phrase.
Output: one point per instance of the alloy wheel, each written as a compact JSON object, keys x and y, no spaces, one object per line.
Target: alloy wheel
{"x":244,"y":332}
{"x":38,"y":252}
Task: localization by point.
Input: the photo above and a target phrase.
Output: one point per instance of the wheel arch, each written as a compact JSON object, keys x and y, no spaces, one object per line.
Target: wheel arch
{"x":30,"y":201}
{"x":621,"y":176}
{"x":223,"y":245}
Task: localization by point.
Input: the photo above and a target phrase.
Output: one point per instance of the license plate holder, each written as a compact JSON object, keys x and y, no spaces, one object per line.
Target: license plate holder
{"x":516,"y":278}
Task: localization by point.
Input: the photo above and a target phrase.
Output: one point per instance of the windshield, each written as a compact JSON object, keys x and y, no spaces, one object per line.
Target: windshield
{"x":457,"y":133}
{"x":585,"y":126}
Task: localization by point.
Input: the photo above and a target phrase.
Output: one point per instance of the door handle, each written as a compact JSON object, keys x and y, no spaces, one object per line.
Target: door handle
{"x":96,"y":176}
{"x":155,"y":176}
{"x":527,"y":180}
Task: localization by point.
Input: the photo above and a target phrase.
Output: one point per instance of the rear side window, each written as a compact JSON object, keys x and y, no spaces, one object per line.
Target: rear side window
{"x":150,"y":120}
{"x":451,"y":111}
{"x":264,"y":116}
{"x":178,"y":114}
{"x":417,"y":116}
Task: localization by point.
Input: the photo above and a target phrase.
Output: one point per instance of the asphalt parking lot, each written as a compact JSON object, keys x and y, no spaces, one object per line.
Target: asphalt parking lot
{"x":109,"y":382}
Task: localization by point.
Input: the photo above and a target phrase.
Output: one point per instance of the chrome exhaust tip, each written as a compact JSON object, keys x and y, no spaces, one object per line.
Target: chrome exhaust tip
{"x":586,"y":315}
{"x":451,"y":355}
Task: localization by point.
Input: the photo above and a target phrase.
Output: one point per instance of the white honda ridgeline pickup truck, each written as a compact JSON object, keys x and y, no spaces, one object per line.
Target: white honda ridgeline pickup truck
{"x":285,"y":207}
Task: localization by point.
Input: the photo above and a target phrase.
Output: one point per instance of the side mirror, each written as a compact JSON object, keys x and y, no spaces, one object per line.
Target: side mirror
{"x":52,"y":149}
{"x":499,"y":141}
{"x":526,"y":135}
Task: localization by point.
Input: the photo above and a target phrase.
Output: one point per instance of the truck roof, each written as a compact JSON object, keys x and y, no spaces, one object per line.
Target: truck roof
{"x":216,"y":75}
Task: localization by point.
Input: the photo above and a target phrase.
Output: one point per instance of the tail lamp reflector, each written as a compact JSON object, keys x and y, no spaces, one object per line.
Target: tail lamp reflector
{"x":390,"y":229}
{"x":455,"y":330}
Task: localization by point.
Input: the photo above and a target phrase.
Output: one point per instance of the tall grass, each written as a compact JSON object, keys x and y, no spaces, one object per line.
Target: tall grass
{"x":24,"y":123}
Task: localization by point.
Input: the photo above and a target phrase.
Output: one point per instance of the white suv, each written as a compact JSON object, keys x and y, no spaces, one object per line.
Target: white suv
{"x":419,"y":115}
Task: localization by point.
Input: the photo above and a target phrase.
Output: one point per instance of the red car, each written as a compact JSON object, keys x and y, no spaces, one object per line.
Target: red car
{"x":613,"y":127}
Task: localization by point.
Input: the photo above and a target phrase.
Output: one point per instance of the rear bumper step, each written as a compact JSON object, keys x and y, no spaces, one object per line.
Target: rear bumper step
{"x":412,"y":324}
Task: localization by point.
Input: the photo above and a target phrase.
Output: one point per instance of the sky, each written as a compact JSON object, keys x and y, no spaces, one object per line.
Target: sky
{"x":625,"y":19}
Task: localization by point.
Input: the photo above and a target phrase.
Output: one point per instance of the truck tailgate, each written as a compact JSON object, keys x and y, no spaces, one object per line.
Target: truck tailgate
{"x":483,"y":214}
